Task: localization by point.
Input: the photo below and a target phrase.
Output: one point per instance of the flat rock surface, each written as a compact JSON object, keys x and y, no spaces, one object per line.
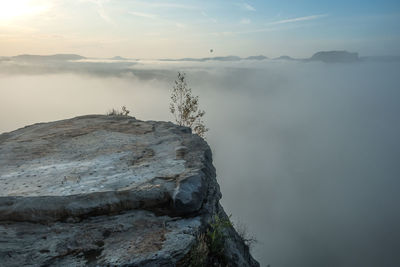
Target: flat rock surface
{"x":85,"y":155}
{"x":100,"y":164}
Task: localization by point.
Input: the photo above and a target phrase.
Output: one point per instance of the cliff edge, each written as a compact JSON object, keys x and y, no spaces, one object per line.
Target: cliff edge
{"x":112,"y":191}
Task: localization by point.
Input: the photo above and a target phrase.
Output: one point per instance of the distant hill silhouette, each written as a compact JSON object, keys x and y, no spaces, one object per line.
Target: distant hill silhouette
{"x":4,"y":58}
{"x":285,"y":58}
{"x":57,"y":57}
{"x":260,"y":57}
{"x":322,"y":56}
{"x":119,"y":58}
{"x":226,"y":58}
{"x":327,"y":57}
{"x":335,"y":56}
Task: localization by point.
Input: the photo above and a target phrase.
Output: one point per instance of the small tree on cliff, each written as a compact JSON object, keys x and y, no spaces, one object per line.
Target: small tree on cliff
{"x":185,"y":107}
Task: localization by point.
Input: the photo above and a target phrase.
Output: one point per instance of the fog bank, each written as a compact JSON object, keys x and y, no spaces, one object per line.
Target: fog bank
{"x":306,"y":153}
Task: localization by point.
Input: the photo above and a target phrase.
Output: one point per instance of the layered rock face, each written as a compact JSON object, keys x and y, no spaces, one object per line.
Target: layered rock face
{"x":109,"y":191}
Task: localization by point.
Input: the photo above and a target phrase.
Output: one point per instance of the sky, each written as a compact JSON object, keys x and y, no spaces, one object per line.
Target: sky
{"x":173,"y":29}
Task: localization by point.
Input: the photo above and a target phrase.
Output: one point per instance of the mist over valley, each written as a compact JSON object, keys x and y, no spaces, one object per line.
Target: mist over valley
{"x":306,"y":152}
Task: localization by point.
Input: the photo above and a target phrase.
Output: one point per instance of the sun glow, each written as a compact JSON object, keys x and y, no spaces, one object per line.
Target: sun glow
{"x":11,"y":9}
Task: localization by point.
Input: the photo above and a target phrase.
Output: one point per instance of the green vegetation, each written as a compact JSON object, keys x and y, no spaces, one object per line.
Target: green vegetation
{"x":185,"y":107}
{"x":209,"y":247}
{"x":216,"y":235}
{"x":199,"y":254}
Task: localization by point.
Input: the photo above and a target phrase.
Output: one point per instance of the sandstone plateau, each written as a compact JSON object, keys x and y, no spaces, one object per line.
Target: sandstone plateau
{"x":109,"y":191}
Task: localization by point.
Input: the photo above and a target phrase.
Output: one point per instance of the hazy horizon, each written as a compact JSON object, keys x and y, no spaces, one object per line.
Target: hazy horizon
{"x":383,"y":54}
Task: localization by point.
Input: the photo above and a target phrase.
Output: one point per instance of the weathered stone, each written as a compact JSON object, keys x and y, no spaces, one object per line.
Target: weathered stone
{"x":106,"y":191}
{"x":136,"y":237}
{"x":180,"y":152}
{"x":190,"y":193}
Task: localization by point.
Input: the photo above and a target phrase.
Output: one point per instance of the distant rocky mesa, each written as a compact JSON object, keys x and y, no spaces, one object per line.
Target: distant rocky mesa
{"x":335,"y":56}
{"x":110,"y":191}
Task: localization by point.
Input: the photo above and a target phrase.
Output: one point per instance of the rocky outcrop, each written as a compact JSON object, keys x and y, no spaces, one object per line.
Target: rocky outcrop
{"x":335,"y":57}
{"x":110,"y":191}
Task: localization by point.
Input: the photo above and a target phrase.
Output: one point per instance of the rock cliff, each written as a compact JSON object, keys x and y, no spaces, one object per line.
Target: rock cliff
{"x":112,"y":191}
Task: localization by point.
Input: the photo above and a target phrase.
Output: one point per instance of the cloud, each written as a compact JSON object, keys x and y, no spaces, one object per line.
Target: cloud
{"x":103,"y":14}
{"x":158,"y":18}
{"x":269,"y":27}
{"x":204,"y":14}
{"x":231,"y":33}
{"x":180,"y":25}
{"x":245,"y":21}
{"x":162,"y":4}
{"x":172,"y":5}
{"x":306,"y":18}
{"x":101,"y":10}
{"x":246,"y":6}
{"x":144,"y":15}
